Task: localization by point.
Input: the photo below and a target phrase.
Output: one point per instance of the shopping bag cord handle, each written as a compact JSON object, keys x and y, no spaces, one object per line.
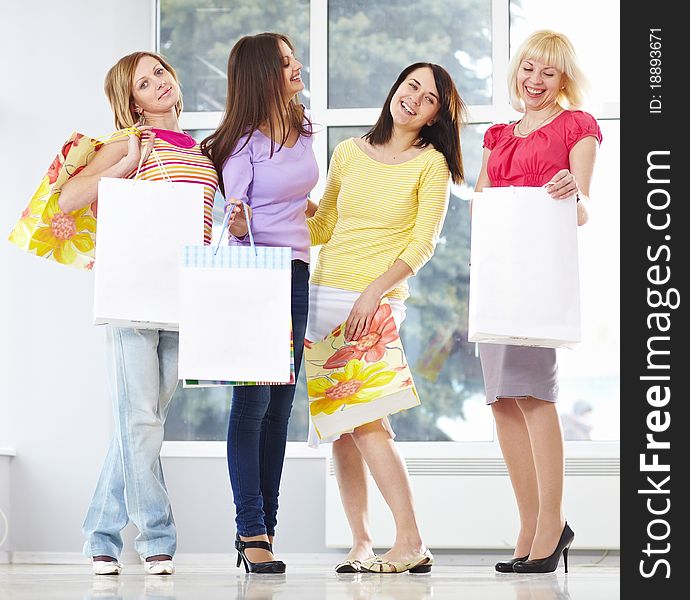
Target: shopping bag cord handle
{"x":158,"y":161}
{"x":225,"y":225}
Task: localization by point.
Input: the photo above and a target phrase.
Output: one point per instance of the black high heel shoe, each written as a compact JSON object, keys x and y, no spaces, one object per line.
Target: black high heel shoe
{"x":269,"y":566}
{"x":506,"y":566}
{"x":549,"y":564}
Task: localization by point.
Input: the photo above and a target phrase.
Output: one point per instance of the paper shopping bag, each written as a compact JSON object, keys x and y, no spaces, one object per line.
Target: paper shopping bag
{"x":196,"y":383}
{"x":235,"y":314}
{"x":524,"y":278}
{"x":43,"y":229}
{"x":353,"y":383}
{"x":142,"y":228}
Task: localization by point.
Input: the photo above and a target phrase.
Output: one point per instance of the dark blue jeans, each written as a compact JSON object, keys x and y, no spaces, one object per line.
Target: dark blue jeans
{"x":257,"y":431}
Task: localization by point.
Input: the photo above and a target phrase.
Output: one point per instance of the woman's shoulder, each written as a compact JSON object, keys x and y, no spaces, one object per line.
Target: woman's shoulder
{"x":579,"y":117}
{"x":348,"y":147}
{"x":578,"y":124}
{"x":430,"y":154}
{"x":495,"y":132}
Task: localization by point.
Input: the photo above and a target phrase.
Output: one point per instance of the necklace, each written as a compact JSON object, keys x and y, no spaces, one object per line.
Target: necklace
{"x":558,"y":110}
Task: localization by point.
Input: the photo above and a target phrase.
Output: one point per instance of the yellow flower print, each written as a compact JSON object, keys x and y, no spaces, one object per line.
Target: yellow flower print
{"x":21,"y":234}
{"x":63,"y":234}
{"x":353,"y":385}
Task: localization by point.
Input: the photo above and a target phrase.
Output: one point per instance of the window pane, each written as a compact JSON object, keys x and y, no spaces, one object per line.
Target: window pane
{"x":583,"y":28}
{"x":371,"y":41}
{"x":197,"y":36}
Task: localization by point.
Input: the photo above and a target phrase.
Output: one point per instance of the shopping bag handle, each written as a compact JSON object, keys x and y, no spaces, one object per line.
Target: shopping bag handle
{"x":124,"y":134}
{"x":158,"y":161}
{"x":225,"y":225}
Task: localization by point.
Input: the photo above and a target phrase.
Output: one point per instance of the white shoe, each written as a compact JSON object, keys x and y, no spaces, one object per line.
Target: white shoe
{"x":159,"y":567}
{"x":106,"y":567}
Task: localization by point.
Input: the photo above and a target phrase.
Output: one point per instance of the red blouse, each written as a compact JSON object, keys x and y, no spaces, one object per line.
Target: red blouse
{"x":535,"y":159}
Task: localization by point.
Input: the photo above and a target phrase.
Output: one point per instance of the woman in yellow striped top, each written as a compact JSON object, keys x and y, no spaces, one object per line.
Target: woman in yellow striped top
{"x":378,"y":223}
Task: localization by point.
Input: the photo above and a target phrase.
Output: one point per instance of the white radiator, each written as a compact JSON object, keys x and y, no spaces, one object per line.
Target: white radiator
{"x":468,"y":503}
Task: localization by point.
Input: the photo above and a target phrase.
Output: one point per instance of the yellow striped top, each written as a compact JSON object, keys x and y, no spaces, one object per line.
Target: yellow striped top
{"x":372,"y":213}
{"x":184,"y":162}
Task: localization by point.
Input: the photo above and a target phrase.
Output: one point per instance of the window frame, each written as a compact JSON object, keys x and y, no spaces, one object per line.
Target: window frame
{"x":498,"y":111}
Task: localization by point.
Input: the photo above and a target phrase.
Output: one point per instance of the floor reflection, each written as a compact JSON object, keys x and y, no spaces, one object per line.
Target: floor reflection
{"x":447,"y":582}
{"x":541,"y":586}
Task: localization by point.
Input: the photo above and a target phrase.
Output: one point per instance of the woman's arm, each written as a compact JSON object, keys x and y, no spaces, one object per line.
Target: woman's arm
{"x":576,"y":180}
{"x":238,"y":174}
{"x":322,"y":223}
{"x":362,"y":312}
{"x":432,"y":204}
{"x":431,"y":212}
{"x":114,"y":159}
{"x":582,"y":158}
{"x":483,"y":180}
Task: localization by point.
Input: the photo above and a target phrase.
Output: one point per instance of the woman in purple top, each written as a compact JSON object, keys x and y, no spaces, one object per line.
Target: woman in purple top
{"x":263,"y":152}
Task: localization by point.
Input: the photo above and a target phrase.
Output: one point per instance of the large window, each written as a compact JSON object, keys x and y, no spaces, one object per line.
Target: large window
{"x":352,"y":51}
{"x":197,"y":35}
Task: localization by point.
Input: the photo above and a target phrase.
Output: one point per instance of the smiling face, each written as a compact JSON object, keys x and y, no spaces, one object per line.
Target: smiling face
{"x":292,"y":70}
{"x":154,"y":89}
{"x":416,"y":101}
{"x":539,"y":84}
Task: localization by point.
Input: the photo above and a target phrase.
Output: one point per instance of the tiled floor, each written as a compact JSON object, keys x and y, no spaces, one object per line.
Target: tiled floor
{"x":588,"y":579}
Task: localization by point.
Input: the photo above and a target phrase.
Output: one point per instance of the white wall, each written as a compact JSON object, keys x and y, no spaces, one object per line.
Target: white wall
{"x":53,"y":407}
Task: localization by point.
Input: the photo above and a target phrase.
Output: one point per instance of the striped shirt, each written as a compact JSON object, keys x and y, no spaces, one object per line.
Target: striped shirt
{"x":372,"y":213}
{"x":183,"y":161}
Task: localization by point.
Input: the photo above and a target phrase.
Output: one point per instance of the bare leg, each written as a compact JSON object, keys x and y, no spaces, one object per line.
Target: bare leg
{"x":352,"y":475}
{"x":390,"y":474}
{"x":514,"y":439}
{"x":546,"y":438}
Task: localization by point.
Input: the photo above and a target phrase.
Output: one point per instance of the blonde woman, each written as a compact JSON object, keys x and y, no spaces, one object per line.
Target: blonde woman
{"x":144,"y":92}
{"x":553,"y":144}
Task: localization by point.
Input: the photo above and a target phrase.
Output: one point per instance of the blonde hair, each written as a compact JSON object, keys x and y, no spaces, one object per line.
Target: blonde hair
{"x":119,"y":83}
{"x":556,"y":50}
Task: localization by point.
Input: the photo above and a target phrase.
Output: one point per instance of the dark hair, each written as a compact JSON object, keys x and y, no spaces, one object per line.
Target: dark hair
{"x":255,"y":95}
{"x":444,"y":134}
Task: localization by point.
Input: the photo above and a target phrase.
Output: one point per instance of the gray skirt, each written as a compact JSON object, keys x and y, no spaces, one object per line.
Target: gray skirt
{"x":518,"y":371}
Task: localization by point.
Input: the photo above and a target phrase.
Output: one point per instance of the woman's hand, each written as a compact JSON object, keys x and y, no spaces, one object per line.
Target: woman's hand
{"x":237,"y":223}
{"x":138,"y":148}
{"x":311,"y":208}
{"x":562,"y":185}
{"x":361,"y":315}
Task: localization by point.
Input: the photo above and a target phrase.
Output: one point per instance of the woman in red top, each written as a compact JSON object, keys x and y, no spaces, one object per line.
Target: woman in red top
{"x":555,"y":145}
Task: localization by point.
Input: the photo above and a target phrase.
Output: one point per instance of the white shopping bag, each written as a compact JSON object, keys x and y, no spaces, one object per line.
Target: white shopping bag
{"x":142,"y":228}
{"x":524,"y":278}
{"x":235,"y":313}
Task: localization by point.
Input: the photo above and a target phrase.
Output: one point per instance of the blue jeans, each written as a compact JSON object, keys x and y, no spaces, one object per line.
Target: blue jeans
{"x":142,"y":377}
{"x":257,"y":430}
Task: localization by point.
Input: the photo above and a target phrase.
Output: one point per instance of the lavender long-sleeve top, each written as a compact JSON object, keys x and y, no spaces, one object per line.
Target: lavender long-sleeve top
{"x":276,"y":188}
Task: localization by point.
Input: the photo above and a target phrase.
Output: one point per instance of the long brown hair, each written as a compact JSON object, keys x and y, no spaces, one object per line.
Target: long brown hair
{"x":444,"y":134}
{"x":256,"y":95}
{"x":119,"y":82}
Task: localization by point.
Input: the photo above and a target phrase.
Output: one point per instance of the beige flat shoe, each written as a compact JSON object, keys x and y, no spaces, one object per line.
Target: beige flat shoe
{"x":352,"y":566}
{"x":419,"y":564}
{"x":348,"y":566}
